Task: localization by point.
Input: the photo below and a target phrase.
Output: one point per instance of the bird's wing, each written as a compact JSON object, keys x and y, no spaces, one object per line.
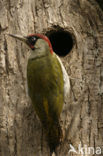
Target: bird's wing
{"x":65,"y":78}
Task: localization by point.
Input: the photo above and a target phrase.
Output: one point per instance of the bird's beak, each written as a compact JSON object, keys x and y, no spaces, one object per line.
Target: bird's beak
{"x":19,"y":37}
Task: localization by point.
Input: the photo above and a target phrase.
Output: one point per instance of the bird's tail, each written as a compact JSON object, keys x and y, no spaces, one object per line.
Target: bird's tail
{"x":54,"y":135}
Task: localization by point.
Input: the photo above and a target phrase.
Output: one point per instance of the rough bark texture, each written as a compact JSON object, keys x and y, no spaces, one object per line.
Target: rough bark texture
{"x":82,"y":116}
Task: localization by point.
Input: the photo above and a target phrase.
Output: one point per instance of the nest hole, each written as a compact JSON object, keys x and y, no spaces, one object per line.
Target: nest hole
{"x":61,"y":40}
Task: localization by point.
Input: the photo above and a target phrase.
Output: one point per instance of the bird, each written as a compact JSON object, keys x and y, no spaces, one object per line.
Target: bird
{"x":48,"y":85}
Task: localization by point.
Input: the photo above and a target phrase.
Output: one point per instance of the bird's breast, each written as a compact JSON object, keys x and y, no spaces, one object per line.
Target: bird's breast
{"x":44,"y":74}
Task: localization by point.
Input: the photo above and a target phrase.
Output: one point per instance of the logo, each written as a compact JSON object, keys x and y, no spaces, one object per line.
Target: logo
{"x":85,"y":150}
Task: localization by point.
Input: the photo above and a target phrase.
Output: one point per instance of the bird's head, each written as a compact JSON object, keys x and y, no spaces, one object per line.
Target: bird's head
{"x":34,"y":41}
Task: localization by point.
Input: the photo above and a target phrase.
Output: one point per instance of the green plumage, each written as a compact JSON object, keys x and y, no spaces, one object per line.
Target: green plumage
{"x":45,"y":87}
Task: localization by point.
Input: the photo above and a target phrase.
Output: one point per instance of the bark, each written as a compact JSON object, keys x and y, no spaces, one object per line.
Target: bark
{"x":82,"y":116}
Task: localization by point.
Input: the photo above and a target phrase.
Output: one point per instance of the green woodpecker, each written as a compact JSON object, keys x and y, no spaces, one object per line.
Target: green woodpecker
{"x":48,"y":85}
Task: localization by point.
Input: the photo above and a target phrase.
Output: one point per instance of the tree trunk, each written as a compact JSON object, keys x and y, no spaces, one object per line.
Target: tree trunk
{"x":82,"y":116}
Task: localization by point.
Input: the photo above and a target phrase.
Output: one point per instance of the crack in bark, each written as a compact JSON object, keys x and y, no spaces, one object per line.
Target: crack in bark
{"x":7,"y":135}
{"x":89,"y":103}
{"x":6,"y":56}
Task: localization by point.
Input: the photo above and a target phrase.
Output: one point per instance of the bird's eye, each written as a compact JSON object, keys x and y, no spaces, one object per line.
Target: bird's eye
{"x":32,"y":40}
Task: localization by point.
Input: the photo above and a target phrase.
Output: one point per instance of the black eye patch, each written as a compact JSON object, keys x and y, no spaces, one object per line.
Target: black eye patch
{"x":32,"y":40}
